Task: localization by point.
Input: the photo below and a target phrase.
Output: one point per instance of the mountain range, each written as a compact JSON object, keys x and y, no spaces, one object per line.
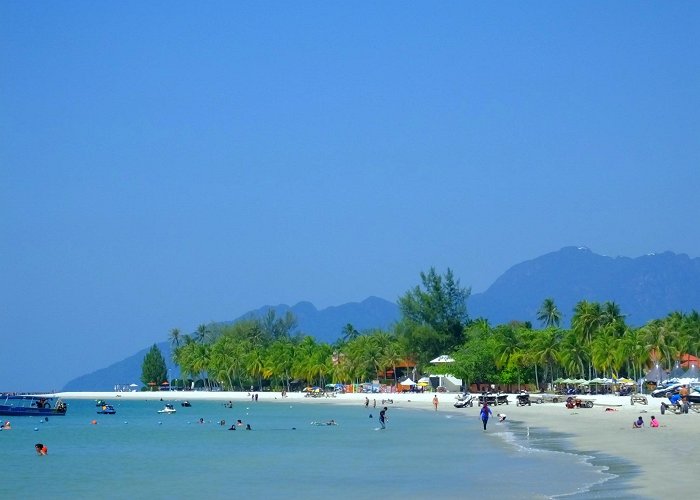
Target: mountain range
{"x":645,"y":288}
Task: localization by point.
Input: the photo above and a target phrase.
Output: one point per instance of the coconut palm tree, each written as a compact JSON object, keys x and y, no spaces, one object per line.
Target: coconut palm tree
{"x":586,"y":323}
{"x":549,"y":314}
{"x":202,"y":334}
{"x":255,"y":364}
{"x":349,"y":333}
{"x":573,"y":355}
{"x":612,"y":318}
{"x":507,"y":344}
{"x":657,"y":340}
{"x":175,"y":338}
{"x":604,"y":352}
{"x":546,"y":349}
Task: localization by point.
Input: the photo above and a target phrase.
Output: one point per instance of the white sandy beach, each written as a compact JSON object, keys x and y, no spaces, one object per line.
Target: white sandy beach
{"x":665,"y":455}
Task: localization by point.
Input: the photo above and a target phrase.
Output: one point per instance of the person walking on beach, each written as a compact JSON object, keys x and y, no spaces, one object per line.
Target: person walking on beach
{"x":382,"y":417}
{"x":485,"y":413}
{"x":435,"y":402}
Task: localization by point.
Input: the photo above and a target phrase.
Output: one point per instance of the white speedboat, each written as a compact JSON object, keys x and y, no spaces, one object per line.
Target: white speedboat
{"x":168,"y":408}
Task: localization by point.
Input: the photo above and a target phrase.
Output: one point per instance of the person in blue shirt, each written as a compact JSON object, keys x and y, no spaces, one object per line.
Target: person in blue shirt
{"x":485,"y":413}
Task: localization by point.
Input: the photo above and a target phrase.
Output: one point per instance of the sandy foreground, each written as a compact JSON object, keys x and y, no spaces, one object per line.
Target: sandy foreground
{"x":666,"y":456}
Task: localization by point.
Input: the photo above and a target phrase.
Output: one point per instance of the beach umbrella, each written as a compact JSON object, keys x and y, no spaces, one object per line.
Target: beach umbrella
{"x":691,"y":373}
{"x":442,"y":359}
{"x":408,"y":381}
{"x":677,"y":372}
{"x":656,"y":374}
{"x":560,"y":381}
{"x":133,"y":385}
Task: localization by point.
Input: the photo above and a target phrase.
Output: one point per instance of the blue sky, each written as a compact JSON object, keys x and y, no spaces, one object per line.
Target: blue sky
{"x":166,"y":164}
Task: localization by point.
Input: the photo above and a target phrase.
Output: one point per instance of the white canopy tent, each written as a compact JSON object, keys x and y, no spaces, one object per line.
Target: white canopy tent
{"x":442,"y":359}
{"x":408,"y":381}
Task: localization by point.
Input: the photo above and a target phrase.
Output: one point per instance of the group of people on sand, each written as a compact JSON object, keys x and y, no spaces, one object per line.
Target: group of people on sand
{"x":639,"y":423}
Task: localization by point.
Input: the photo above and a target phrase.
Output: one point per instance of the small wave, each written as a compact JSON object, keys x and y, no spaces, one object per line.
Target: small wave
{"x":533,"y":441}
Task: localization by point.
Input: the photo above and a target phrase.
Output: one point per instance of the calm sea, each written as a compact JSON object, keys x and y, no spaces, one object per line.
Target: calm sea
{"x":139,"y":453}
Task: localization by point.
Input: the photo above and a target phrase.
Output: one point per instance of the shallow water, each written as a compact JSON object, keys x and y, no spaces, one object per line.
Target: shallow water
{"x":139,"y":453}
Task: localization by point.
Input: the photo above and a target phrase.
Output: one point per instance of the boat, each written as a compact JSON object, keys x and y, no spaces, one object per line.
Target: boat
{"x":31,"y":405}
{"x":168,"y":408}
{"x":106,"y":409}
{"x":186,"y":404}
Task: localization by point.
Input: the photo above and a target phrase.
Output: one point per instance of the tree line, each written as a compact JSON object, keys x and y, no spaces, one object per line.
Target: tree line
{"x":267,"y":352}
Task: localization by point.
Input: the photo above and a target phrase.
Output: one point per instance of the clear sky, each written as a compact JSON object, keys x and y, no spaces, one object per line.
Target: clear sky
{"x":166,"y":164}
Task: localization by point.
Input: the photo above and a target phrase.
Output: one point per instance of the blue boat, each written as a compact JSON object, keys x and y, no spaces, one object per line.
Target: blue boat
{"x":31,"y":405}
{"x":106,"y":409}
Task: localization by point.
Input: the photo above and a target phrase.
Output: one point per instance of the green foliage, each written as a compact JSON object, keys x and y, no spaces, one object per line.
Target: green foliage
{"x":434,"y":316}
{"x":153,"y":370}
{"x":262,"y":352}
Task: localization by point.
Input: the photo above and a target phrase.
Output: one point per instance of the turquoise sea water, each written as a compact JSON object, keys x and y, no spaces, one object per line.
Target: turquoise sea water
{"x":139,"y":453}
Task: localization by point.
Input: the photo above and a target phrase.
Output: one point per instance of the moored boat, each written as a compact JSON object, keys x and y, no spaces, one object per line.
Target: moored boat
{"x":30,"y":405}
{"x":168,"y":408}
{"x":106,"y":409}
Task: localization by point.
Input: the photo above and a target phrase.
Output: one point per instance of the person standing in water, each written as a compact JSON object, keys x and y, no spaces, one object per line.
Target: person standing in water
{"x":485,"y":413}
{"x":382,"y":417}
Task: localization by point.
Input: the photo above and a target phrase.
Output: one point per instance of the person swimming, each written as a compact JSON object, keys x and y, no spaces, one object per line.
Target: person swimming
{"x":41,"y":449}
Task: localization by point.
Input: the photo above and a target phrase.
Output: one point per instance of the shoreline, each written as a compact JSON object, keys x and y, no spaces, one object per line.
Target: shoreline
{"x":650,"y":458}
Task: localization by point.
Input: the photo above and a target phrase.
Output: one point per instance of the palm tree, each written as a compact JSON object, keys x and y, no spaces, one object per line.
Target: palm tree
{"x":255,"y":364}
{"x":546,"y":349}
{"x":549,"y":314}
{"x":604,"y":351}
{"x":507,"y":344}
{"x":631,"y":348}
{"x":201,"y":334}
{"x":175,"y":338}
{"x":349,"y":333}
{"x":586,"y":323}
{"x":573,"y":355}
{"x":657,"y":340}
